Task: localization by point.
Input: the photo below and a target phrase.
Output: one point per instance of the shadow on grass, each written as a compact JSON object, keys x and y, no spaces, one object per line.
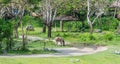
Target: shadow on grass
{"x":29,"y":52}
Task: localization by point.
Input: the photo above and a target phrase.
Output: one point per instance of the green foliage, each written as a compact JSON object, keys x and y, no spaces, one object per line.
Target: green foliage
{"x":85,"y":37}
{"x":96,"y":38}
{"x":6,"y":1}
{"x":72,"y":26}
{"x":6,"y":32}
{"x":6,"y":29}
{"x":109,"y":36}
{"x":106,"y":23}
{"x":33,"y":1}
{"x":29,"y":20}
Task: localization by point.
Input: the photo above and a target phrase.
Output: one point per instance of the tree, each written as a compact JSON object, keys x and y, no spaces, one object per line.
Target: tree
{"x":76,"y":9}
{"x":94,"y":10}
{"x":17,"y":11}
{"x":117,"y":4}
{"x":13,"y":9}
{"x":49,"y":11}
{"x":21,"y":14}
{"x":6,"y":27}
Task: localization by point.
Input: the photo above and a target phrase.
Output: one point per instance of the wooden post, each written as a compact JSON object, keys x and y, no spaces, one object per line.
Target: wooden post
{"x":61,"y":25}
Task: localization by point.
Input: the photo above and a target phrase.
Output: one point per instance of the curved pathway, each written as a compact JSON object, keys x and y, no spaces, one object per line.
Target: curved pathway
{"x":34,"y":38}
{"x":64,"y":52}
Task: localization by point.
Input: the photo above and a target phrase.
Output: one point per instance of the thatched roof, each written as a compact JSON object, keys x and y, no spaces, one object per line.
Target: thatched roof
{"x":116,"y":4}
{"x":66,"y":18}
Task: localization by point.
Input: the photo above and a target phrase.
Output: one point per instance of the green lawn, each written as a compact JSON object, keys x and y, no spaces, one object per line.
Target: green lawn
{"x":105,"y":57}
{"x":111,"y":39}
{"x":79,"y":37}
{"x":40,"y":45}
{"x":35,"y":47}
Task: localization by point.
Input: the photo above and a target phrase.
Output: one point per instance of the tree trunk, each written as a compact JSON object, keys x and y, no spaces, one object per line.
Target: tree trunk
{"x":83,"y":26}
{"x":55,"y":27}
{"x":49,"y":30}
{"x":0,"y":46}
{"x":90,"y":24}
{"x":88,"y":17}
{"x":16,"y":35}
{"x":23,"y":38}
{"x":44,"y":27}
{"x":61,"y":25}
{"x":10,"y":43}
{"x":91,"y":27}
{"x":115,"y":12}
{"x":7,"y":45}
{"x":16,"y":32}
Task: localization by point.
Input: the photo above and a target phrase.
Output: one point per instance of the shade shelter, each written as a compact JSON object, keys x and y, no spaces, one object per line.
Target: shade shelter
{"x":67,"y":18}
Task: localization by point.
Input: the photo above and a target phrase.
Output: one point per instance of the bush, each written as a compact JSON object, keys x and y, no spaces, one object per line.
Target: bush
{"x":72,"y":26}
{"x":86,"y":37}
{"x":29,"y":20}
{"x":108,"y":36}
{"x":106,"y":23}
{"x":6,"y":32}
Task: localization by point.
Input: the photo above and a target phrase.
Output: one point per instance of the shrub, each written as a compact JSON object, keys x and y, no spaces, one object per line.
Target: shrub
{"x":6,"y":32}
{"x":106,"y":23}
{"x":108,"y":36}
{"x":97,"y":38}
{"x":29,"y":20}
{"x":86,"y":37}
{"x":72,"y":26}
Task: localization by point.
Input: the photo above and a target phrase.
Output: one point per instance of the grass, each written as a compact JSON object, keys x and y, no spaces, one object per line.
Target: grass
{"x":29,"y":52}
{"x":41,"y":44}
{"x":34,"y":47}
{"x":105,"y":57}
{"x":78,"y":37}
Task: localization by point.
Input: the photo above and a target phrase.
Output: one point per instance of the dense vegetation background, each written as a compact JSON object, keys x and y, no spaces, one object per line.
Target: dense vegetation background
{"x":77,"y":21}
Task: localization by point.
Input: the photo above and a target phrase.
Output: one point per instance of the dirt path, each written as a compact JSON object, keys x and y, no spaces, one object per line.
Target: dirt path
{"x":33,"y":38}
{"x":64,"y":52}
